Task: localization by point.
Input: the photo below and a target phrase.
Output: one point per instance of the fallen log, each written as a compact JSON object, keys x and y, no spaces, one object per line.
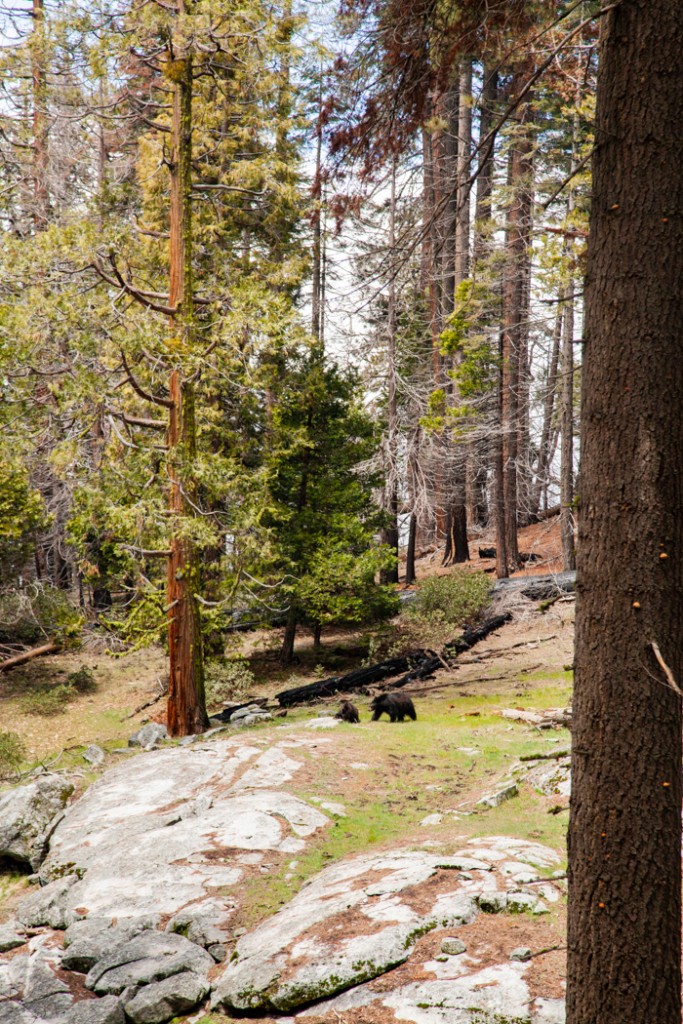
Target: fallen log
{"x":35,"y":652}
{"x":355,"y":680}
{"x":538,"y":588}
{"x":468,"y":639}
{"x":417,"y":665}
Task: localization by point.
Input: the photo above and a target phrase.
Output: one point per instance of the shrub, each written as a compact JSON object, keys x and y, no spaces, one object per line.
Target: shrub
{"x":31,"y":616}
{"x":457,"y":599}
{"x":12,"y":753}
{"x":83,"y":681}
{"x":48,"y":701}
{"x":442,"y":607}
{"x":229,"y":679}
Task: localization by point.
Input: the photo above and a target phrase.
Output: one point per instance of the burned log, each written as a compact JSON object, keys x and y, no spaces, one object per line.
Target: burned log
{"x":356,"y":680}
{"x":417,"y":665}
{"x":429,"y":665}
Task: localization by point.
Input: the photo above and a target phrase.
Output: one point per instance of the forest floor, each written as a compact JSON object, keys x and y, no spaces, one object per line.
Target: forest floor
{"x":409,"y":785}
{"x":124,"y":683}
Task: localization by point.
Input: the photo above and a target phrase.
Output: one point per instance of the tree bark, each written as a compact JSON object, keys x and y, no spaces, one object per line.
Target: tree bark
{"x":456,"y":548}
{"x":41,"y":197}
{"x":624,"y":936}
{"x":567,"y":434}
{"x":482,"y":216}
{"x":567,"y":391}
{"x":545,"y":443}
{"x":186,"y":710}
{"x":410,"y":551}
{"x":515,"y":316}
{"x":391,"y":537}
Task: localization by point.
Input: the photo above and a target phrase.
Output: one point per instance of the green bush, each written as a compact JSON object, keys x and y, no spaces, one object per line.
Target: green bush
{"x":83,"y":681}
{"x":457,"y":599}
{"x":12,"y":753}
{"x":229,"y":679}
{"x":31,"y":616}
{"x":48,"y":701}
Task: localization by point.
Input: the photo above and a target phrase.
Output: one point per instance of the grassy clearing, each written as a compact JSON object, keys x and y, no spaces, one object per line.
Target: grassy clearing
{"x":391,"y":777}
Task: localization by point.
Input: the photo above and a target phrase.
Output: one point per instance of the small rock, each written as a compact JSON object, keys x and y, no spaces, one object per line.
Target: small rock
{"x":204,"y":923}
{"x":521,"y":953}
{"x":492,"y":902}
{"x":323,"y":723}
{"x":525,"y":902}
{"x":453,"y":947}
{"x":9,"y":939}
{"x":506,"y":792}
{"x":47,"y":906}
{"x":432,"y":819}
{"x":187,"y":741}
{"x":15,"y":1013}
{"x":148,"y":736}
{"x":165,"y":999}
{"x":107,"y":1010}
{"x":218,"y":952}
{"x":147,"y":958}
{"x":94,"y":754}
{"x":244,"y":723}
{"x":88,"y":940}
{"x":251,"y":709}
{"x":27,"y":814}
{"x":44,"y":993}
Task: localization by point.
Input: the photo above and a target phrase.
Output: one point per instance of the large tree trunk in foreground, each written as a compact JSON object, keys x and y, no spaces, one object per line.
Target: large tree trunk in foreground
{"x":186,"y":711}
{"x":625,"y":833}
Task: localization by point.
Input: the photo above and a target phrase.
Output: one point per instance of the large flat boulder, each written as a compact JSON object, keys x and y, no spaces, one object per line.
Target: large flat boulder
{"x":168,"y":828}
{"x":310,"y":949}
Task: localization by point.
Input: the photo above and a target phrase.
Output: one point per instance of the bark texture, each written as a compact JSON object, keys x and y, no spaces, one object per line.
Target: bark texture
{"x":186,"y":711}
{"x":625,"y":831}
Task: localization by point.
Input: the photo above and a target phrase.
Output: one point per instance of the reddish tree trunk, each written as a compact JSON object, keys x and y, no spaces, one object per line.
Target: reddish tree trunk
{"x":186,"y":699}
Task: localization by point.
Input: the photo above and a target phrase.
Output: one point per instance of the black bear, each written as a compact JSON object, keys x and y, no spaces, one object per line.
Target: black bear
{"x":397,"y":705}
{"x":348,"y":712}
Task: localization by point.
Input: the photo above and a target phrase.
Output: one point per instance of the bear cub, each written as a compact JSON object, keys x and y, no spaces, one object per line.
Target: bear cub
{"x":348,"y":712}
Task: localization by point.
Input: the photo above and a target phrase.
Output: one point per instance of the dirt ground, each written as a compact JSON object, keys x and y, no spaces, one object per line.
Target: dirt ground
{"x":541,"y":540}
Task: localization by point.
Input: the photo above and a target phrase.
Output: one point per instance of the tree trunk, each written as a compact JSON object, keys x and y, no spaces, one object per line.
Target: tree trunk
{"x":317,"y":281}
{"x":545,"y":444}
{"x":186,"y":700}
{"x":410,"y":552}
{"x":567,"y":393}
{"x":515,"y":316}
{"x":624,"y":935}
{"x":567,"y":433}
{"x":41,"y":199}
{"x":482,"y":216}
{"x":502,"y":568}
{"x":287,"y":649}
{"x":391,"y":537}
